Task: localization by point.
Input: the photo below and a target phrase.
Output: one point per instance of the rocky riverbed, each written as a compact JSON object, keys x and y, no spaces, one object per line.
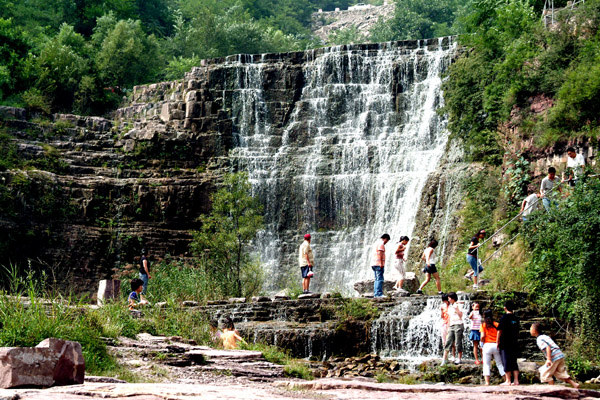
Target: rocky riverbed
{"x":174,"y":368}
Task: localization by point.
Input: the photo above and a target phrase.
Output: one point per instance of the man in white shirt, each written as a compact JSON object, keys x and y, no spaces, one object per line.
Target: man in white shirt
{"x":575,"y":165}
{"x":306,"y":261}
{"x":529,"y":205}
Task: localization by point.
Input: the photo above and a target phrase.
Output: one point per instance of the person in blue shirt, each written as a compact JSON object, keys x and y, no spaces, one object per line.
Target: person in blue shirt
{"x":136,"y":298}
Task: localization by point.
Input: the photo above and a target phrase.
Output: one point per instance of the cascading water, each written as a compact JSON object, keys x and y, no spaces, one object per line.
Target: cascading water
{"x":349,"y":162}
{"x":412,"y":331}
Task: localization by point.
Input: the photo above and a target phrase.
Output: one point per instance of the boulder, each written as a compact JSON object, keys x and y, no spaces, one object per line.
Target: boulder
{"x":411,"y":282}
{"x":236,"y":300}
{"x":400,"y":293}
{"x":108,"y":289}
{"x":52,"y":362}
{"x":283,"y":295}
{"x":12,"y":113}
{"x":309,"y":296}
{"x":364,"y":287}
{"x":261,"y":299}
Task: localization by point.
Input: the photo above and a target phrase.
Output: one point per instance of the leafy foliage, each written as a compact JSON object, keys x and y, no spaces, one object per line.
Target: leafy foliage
{"x":222,"y":243}
{"x":512,"y":61}
{"x":419,"y":19}
{"x":562,"y":272}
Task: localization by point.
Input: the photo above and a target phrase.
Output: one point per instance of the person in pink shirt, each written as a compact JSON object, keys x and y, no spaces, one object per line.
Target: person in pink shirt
{"x":378,"y":264}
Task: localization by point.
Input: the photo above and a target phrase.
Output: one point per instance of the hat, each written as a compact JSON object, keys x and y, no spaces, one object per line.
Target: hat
{"x":482,"y":231}
{"x":307,"y":236}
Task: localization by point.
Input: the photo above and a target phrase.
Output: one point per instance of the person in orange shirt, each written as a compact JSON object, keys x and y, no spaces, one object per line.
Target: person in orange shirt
{"x":489,"y":334}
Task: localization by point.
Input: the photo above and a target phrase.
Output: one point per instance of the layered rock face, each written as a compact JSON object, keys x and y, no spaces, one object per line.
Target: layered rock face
{"x":337,"y":141}
{"x":90,"y":203}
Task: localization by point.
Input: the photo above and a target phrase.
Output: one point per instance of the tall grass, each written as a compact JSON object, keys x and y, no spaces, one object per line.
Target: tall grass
{"x":30,"y":314}
{"x":174,"y":281}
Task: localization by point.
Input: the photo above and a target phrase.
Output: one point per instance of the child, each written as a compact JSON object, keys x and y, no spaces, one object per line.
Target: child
{"x":430,"y":269}
{"x":474,"y":336}
{"x":400,"y":260}
{"x":490,"y":348}
{"x":555,"y":359}
{"x":230,"y":337}
{"x":135,"y":297}
{"x":215,"y":332}
{"x":455,"y":333}
{"x":507,"y":340}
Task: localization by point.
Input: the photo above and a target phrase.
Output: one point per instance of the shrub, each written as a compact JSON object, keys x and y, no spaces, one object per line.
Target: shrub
{"x":562,"y":273}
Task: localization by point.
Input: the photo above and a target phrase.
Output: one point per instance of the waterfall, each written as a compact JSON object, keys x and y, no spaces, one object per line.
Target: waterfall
{"x":411,"y":331}
{"x":350,"y":160}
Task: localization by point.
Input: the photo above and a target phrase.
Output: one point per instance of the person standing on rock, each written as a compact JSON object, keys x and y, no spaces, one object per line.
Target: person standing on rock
{"x":378,"y":264}
{"x":306,"y":261}
{"x":430,"y":269}
{"x":507,"y":343}
{"x":446,"y":322}
{"x":473,"y":254}
{"x":400,"y":260}
{"x":455,"y":332}
{"x":144,"y":270}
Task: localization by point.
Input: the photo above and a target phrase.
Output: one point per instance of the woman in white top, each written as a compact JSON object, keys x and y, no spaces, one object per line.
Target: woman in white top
{"x":430,"y":269}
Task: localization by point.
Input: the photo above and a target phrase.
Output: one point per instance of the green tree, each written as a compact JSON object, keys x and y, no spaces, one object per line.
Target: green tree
{"x":223,"y":241}
{"x":349,"y":35}
{"x":61,"y":65}
{"x":14,"y":50}
{"x":126,"y":55}
{"x":418,"y":19}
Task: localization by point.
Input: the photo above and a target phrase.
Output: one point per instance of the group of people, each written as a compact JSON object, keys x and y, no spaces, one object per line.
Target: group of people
{"x":550,"y":188}
{"x":378,"y":258}
{"x":499,"y":341}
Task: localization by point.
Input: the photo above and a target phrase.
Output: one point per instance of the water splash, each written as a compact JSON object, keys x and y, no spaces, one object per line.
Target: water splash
{"x":411,"y":330}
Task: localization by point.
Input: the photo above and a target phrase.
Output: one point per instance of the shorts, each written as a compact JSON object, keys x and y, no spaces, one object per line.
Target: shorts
{"x":455,"y":337}
{"x":509,"y":360}
{"x":556,"y":369}
{"x":399,"y":265}
{"x":305,"y":271}
{"x":475,"y":335}
{"x":431,"y":269}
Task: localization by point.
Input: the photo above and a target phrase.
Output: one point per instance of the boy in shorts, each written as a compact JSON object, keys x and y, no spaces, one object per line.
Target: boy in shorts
{"x":555,"y":359}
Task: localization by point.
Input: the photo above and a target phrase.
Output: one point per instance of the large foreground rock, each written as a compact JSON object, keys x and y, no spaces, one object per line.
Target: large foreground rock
{"x":411,"y":284}
{"x":52,"y":362}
